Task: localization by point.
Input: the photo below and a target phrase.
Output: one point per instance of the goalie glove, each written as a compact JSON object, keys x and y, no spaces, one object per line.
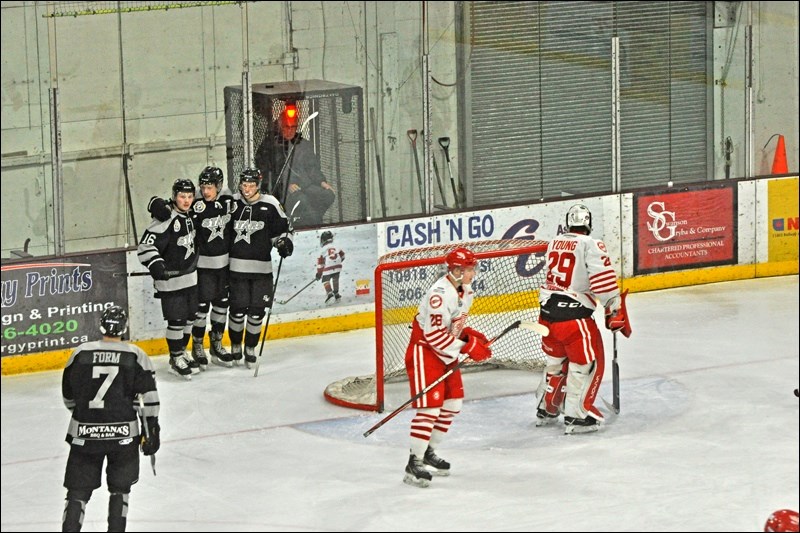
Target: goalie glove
{"x":617,"y":315}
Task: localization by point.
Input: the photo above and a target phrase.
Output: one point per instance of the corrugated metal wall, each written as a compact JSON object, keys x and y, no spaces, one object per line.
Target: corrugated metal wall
{"x":537,"y":96}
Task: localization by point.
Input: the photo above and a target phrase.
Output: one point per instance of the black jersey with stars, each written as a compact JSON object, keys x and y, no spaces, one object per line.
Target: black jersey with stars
{"x":173,"y":242}
{"x":255,"y":228}
{"x":212,"y":222}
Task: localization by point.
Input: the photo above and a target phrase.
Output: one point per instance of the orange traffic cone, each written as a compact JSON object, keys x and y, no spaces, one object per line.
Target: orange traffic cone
{"x":779,"y":165}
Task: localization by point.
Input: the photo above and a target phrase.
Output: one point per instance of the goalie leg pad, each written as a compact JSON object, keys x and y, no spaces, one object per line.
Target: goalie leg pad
{"x":583,"y":382}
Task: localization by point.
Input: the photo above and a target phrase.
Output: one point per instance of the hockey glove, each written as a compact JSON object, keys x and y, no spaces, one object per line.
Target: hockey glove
{"x":476,"y":349}
{"x":319,"y":275}
{"x":159,"y":271}
{"x":285,"y":246}
{"x":159,"y":209}
{"x":150,"y":446}
{"x":617,"y":315}
{"x":469,"y":332}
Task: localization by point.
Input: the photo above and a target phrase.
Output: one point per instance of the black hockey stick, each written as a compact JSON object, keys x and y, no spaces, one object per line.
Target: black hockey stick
{"x":534,"y":326}
{"x":170,"y":273}
{"x":283,"y":302}
{"x":615,"y":377}
{"x":302,"y":128}
{"x":444,"y":142}
{"x":275,"y":286}
{"x":147,"y":432}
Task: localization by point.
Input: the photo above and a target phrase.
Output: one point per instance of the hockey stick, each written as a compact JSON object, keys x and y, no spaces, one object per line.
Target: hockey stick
{"x":533,"y":326}
{"x":283,"y":302}
{"x":302,"y":128}
{"x":170,"y":273}
{"x":615,"y":377}
{"x":147,"y":432}
{"x":275,"y":286}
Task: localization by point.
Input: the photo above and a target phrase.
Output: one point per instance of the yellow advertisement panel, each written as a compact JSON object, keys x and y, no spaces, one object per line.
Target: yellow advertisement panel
{"x":784,"y":221}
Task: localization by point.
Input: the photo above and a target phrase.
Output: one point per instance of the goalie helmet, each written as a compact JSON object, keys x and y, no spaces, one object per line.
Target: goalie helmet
{"x":182,"y":185}
{"x":211,"y":176}
{"x":782,"y":520}
{"x":325,"y":238}
{"x":114,"y":322}
{"x":459,"y":258}
{"x":579,"y":216}
{"x":251,"y":175}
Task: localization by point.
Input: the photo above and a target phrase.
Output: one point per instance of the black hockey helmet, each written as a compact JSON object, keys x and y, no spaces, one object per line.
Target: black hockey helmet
{"x":326,"y":237}
{"x":114,"y":322}
{"x":211,"y":176}
{"x":182,"y":185}
{"x":251,"y":175}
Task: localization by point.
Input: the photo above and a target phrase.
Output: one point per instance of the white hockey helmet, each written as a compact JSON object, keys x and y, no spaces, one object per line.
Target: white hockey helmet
{"x":579,"y":216}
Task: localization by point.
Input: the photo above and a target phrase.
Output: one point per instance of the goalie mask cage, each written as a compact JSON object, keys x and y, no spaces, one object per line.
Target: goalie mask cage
{"x":507,"y":280}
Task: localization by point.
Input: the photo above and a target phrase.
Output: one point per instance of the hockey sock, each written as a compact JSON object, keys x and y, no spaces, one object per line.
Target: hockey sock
{"x":117,"y":511}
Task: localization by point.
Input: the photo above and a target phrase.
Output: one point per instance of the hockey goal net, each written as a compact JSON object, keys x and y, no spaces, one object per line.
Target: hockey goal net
{"x":508,"y":276}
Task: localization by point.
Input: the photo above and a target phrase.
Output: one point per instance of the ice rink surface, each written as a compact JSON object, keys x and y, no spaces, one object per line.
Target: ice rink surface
{"x":707,"y":437}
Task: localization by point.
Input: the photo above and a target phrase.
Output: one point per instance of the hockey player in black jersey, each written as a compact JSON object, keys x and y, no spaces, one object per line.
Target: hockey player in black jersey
{"x":167,"y":249}
{"x":101,"y":382}
{"x":259,"y":224}
{"x":210,"y":213}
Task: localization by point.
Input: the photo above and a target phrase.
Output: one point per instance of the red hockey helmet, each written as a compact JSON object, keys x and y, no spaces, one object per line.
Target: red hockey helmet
{"x":782,"y":520}
{"x":460,"y":257}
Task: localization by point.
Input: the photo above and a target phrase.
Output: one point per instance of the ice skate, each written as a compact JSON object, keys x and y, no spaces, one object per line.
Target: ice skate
{"x":436,"y":465}
{"x":330,"y":297}
{"x":580,"y":425}
{"x":416,"y":473}
{"x":236,"y":354}
{"x":543,"y":418}
{"x":219,"y":356}
{"x":179,"y":366}
{"x":337,"y":296}
{"x":198,"y":353}
{"x":249,"y":356}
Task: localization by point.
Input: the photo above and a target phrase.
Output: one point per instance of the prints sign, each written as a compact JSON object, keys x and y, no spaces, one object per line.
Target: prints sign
{"x":55,"y":304}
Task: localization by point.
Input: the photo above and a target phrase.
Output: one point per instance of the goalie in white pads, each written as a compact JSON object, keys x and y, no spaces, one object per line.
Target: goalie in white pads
{"x":438,"y":338}
{"x":578,"y":272}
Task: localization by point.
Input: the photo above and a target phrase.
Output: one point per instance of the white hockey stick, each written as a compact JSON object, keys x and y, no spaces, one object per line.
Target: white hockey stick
{"x":541,"y":329}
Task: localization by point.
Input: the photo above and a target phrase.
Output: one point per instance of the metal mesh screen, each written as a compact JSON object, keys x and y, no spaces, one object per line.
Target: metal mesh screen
{"x":336,"y":135}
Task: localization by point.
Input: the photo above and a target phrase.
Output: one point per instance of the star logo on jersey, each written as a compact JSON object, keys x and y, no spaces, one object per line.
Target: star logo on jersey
{"x":187,"y":241}
{"x":245,"y":228}
{"x":216,"y":226}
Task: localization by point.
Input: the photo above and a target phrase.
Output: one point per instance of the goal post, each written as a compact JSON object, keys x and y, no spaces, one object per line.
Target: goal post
{"x":508,"y":276}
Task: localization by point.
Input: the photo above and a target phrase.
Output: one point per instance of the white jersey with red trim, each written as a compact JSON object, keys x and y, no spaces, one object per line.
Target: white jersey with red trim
{"x":441,"y":317}
{"x":330,"y":260}
{"x":579,"y":267}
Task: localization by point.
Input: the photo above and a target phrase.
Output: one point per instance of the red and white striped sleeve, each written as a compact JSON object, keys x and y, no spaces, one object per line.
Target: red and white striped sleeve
{"x":602,"y":278}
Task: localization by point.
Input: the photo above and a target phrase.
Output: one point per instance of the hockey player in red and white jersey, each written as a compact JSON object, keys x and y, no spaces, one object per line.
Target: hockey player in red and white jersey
{"x":579,"y":273}
{"x":438,"y":338}
{"x":329,"y":266}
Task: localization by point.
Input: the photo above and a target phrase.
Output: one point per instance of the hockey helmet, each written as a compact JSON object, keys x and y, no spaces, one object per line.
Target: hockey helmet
{"x":114,"y":322}
{"x":251,"y":175}
{"x":460,"y":257}
{"x":211,"y":176}
{"x":182,"y":185}
{"x":579,"y":216}
{"x":782,"y":520}
{"x":326,"y":237}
